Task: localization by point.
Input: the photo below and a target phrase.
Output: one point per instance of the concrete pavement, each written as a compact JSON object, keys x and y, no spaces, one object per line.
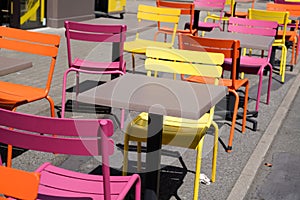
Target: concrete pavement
{"x":235,"y":171}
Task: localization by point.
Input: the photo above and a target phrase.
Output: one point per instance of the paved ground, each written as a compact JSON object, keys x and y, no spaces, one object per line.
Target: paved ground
{"x":177,"y":178}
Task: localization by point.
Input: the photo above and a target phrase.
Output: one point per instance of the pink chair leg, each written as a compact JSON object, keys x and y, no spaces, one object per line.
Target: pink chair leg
{"x":269,"y":84}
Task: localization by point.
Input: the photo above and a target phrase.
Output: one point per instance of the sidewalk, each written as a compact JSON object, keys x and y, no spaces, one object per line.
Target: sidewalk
{"x":177,"y":178}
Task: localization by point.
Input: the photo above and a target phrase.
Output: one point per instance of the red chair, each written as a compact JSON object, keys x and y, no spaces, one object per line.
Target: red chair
{"x":99,"y":34}
{"x":73,"y":137}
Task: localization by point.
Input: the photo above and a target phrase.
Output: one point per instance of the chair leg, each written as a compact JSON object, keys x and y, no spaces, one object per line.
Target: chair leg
{"x":133,"y":63}
{"x":283,"y":63}
{"x":63,"y":97}
{"x":269,"y":84}
{"x":215,"y":152}
{"x":139,"y":156}
{"x":77,"y":88}
{"x":125,"y":159}
{"x":198,"y":168}
{"x":9,"y":150}
{"x":259,"y":90}
{"x":51,"y":102}
{"x":235,"y":110}
{"x":245,"y":107}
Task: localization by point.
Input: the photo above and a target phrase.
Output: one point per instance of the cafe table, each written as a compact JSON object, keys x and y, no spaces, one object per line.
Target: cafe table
{"x":159,"y":97}
{"x":10,"y":65}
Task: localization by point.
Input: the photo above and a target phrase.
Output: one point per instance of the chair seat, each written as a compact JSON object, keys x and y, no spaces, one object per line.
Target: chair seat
{"x":60,"y":182}
{"x":139,"y":45}
{"x":208,"y":25}
{"x":248,"y":64}
{"x":12,"y":94}
{"x":176,"y":131}
{"x":96,"y":66}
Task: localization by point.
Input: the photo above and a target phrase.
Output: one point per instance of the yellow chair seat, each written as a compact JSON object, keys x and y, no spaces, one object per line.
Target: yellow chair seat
{"x":176,"y":131}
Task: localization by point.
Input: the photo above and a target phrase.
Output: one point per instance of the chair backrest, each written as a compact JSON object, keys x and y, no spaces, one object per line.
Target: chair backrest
{"x":293,"y":9}
{"x":33,"y":43}
{"x":229,"y":48}
{"x":286,"y":2}
{"x":98,"y":33}
{"x":19,"y":184}
{"x":159,"y":15}
{"x":185,"y":7}
{"x":179,"y":61}
{"x":252,"y":26}
{"x":89,"y":137}
{"x":214,"y":5}
{"x":270,"y":15}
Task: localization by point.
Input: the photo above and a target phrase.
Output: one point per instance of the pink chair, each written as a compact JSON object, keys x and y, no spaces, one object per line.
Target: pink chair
{"x":253,"y":64}
{"x":210,"y":6}
{"x":73,"y":137}
{"x":78,"y":33}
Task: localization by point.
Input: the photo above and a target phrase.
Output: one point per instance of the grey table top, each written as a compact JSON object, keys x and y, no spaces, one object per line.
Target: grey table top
{"x":156,"y":95}
{"x":246,"y":40}
{"x":11,"y":65}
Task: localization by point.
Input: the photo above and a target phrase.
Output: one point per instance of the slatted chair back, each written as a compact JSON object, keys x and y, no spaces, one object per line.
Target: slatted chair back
{"x":85,"y":137}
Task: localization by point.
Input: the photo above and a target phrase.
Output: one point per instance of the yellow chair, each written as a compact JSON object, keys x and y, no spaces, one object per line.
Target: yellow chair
{"x":280,"y":18}
{"x":156,"y":14}
{"x":178,"y":131}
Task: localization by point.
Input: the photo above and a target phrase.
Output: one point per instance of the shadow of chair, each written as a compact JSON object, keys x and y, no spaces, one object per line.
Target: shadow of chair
{"x":280,"y":18}
{"x":79,"y":35}
{"x":178,"y":131}
{"x":72,"y":137}
{"x":168,"y":16}
{"x":231,"y":51}
{"x":18,"y":184}
{"x":187,"y":9}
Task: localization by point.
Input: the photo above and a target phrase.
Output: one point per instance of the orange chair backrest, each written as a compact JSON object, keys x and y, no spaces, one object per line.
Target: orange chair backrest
{"x":19,"y":184}
{"x":33,"y":43}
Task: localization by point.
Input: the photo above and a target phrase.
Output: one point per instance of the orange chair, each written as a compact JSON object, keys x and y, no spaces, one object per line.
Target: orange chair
{"x":13,"y":95}
{"x":241,"y":14}
{"x":230,"y":48}
{"x":186,"y":9}
{"x":18,"y":184}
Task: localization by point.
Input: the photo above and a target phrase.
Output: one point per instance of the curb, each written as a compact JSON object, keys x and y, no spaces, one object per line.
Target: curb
{"x":243,"y":183}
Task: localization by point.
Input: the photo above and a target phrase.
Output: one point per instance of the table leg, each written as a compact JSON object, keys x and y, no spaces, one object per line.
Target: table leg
{"x":155,"y":124}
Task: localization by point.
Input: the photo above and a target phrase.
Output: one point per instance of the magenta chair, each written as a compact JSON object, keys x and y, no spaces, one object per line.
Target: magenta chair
{"x":210,"y":6}
{"x":250,"y":64}
{"x":73,"y":137}
{"x":84,"y":34}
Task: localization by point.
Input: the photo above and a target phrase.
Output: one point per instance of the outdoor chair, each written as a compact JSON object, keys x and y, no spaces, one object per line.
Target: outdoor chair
{"x":253,"y":64}
{"x":43,"y":45}
{"x":83,"y":137}
{"x":231,"y":51}
{"x":241,"y":14}
{"x":216,"y":6}
{"x":186,"y":8}
{"x":18,"y":184}
{"x":292,"y":35}
{"x":168,"y":16}
{"x":109,"y":38}
{"x":280,"y":18}
{"x":178,"y":131}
